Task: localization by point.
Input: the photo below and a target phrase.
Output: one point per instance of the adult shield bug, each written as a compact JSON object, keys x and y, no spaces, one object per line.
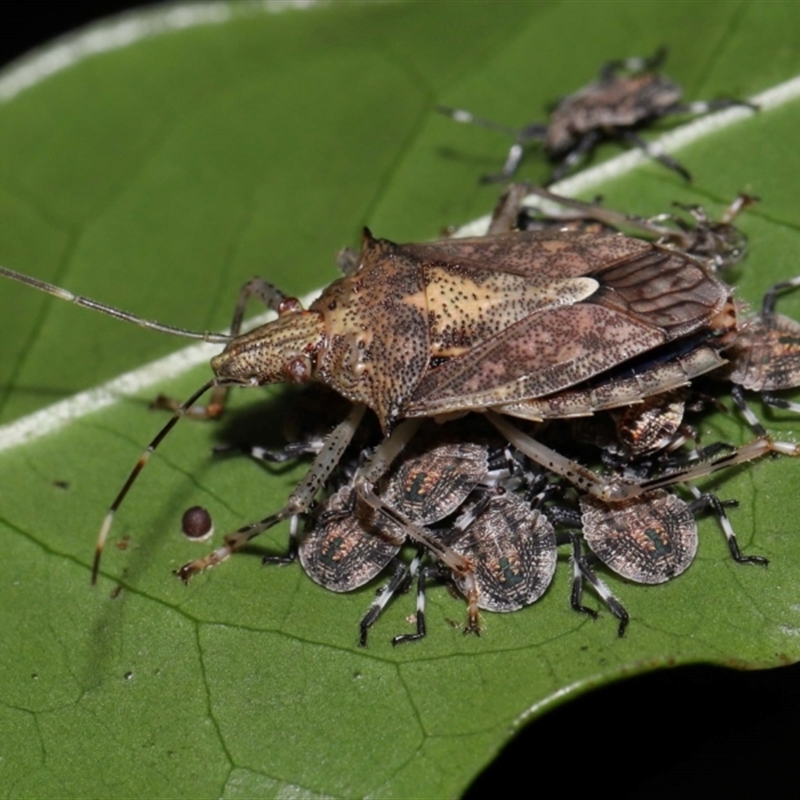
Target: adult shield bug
{"x":628,"y":96}
{"x":497,"y":322}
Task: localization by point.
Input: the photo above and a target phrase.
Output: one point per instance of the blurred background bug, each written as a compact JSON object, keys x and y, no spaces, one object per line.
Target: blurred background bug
{"x":629,"y":95}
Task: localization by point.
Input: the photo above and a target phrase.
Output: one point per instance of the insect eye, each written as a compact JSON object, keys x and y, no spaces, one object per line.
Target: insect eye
{"x":289,"y":305}
{"x":298,"y":370}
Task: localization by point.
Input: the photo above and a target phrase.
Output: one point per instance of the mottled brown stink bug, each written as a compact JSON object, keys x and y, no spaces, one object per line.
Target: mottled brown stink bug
{"x":628,"y":96}
{"x":508,"y":322}
{"x":493,"y":322}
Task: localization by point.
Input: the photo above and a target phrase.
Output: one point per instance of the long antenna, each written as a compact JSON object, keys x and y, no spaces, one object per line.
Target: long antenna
{"x":143,"y":459}
{"x":87,"y":302}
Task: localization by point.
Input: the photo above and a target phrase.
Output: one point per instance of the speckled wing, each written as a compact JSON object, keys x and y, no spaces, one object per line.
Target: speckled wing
{"x":536,"y":357}
{"x":633,"y":385}
{"x":646,"y":298}
{"x":663,"y":288}
{"x":538,"y":255}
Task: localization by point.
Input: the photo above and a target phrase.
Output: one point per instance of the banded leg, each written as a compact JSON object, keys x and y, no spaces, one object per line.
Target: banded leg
{"x":299,"y":501}
{"x":771,"y":295}
{"x":400,"y":581}
{"x":584,"y":146}
{"x":707,"y":106}
{"x":582,"y":571}
{"x":290,"y":452}
{"x":422,"y":631}
{"x":668,"y":161}
{"x":530,"y":133}
{"x":737,"y":393}
{"x":706,"y":501}
{"x":615,"y":489}
{"x":293,"y":547}
{"x":102,"y":536}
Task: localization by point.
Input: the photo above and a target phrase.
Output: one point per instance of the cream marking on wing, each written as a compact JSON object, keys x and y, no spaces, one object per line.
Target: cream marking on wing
{"x":121,"y":32}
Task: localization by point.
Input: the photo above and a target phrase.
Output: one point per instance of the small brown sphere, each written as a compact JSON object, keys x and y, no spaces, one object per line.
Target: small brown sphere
{"x":196,"y":524}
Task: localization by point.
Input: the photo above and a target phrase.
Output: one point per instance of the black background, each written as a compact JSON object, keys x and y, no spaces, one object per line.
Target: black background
{"x":693,"y":731}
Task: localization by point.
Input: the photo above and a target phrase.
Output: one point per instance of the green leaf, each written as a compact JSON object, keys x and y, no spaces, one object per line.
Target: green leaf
{"x":159,"y":176}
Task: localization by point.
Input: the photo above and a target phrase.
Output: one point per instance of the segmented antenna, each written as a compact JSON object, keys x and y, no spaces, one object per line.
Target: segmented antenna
{"x":143,"y":459}
{"x":87,"y":302}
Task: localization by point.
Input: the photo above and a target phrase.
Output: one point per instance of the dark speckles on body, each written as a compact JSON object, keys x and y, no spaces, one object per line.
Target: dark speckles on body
{"x":650,"y":539}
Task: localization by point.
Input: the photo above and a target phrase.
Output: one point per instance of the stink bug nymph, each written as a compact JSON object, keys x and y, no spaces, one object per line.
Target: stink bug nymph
{"x":628,"y":95}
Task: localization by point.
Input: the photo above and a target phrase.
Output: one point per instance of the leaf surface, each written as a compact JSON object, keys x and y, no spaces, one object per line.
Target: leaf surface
{"x":161,"y":175}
